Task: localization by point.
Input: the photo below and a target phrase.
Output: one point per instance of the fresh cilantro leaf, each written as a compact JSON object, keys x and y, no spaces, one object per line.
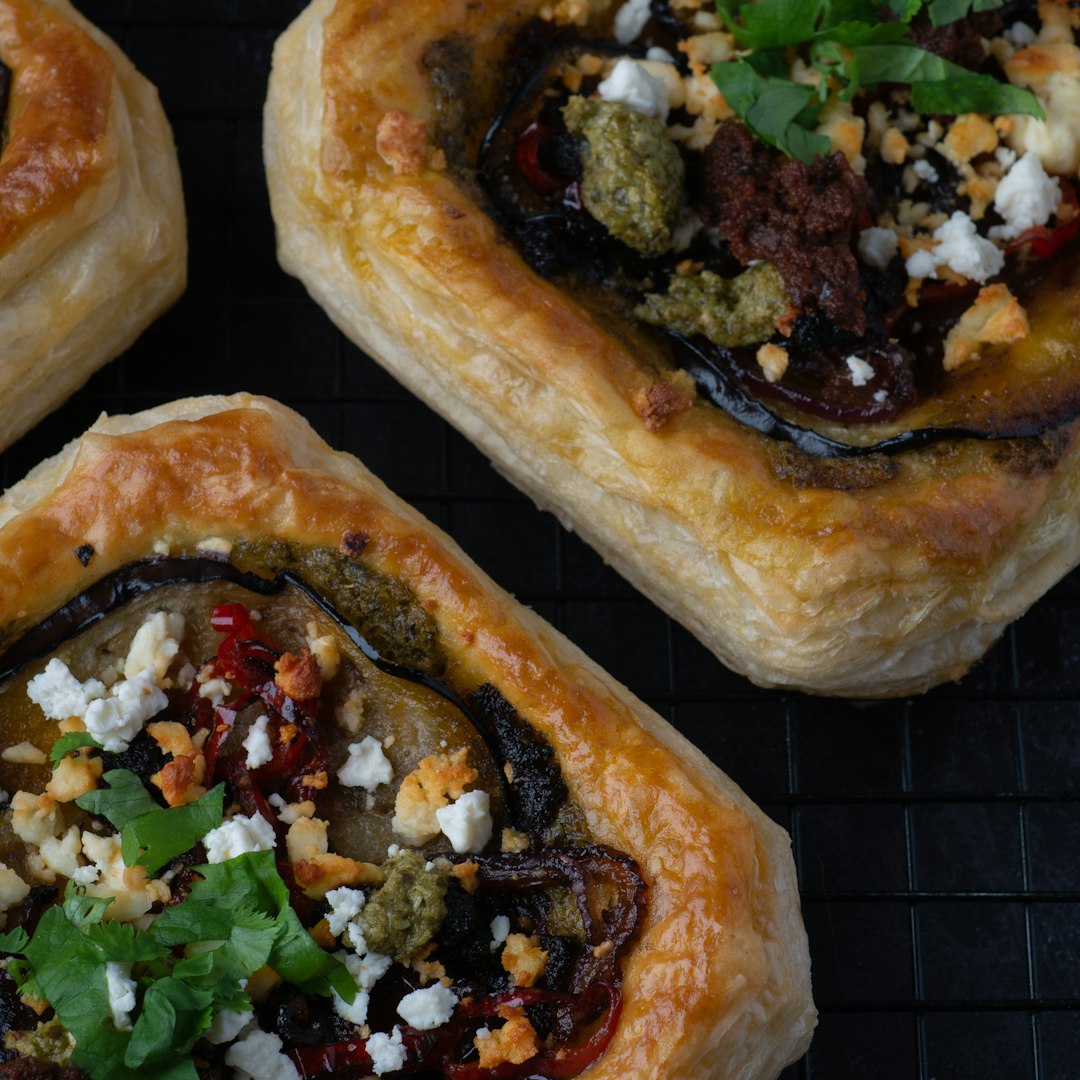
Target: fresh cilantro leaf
{"x":905,"y":10}
{"x":14,"y":941}
{"x":155,"y":837}
{"x":939,"y":86}
{"x":252,"y":880}
{"x":173,"y":1015}
{"x":240,"y":941}
{"x":73,"y":740}
{"x":943,"y":12}
{"x":773,"y":109}
{"x":973,"y":93}
{"x":121,"y":942}
{"x":776,"y":24}
{"x":124,"y":800}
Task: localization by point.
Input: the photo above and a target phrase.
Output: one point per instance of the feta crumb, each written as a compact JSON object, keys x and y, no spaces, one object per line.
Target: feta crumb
{"x":238,"y":836}
{"x":185,"y":677}
{"x":214,"y":690}
{"x":925,"y":171}
{"x":367,"y":766}
{"x":345,"y":905}
{"x":116,"y":720}
{"x":427,"y":1008}
{"x":121,"y":987}
{"x":13,"y":890}
{"x":366,"y":970}
{"x":1006,"y":157}
{"x":657,"y":52}
{"x":24,"y":753}
{"x":467,"y":822}
{"x":226,"y":1026}
{"x":881,"y":396}
{"x":386,"y":1051}
{"x":861,"y":371}
{"x":154,"y":645}
{"x":630,"y":20}
{"x":960,"y":247}
{"x":258,"y":1056}
{"x":86,"y":875}
{"x":1026,"y":197}
{"x":629,"y":84}
{"x":877,"y":247}
{"x":356,"y":1013}
{"x":1020,"y":35}
{"x":500,"y":931}
{"x":215,"y":545}
{"x":257,"y":745}
{"x":59,"y":694}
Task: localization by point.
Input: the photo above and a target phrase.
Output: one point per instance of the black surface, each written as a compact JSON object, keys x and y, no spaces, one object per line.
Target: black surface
{"x":937,"y":840}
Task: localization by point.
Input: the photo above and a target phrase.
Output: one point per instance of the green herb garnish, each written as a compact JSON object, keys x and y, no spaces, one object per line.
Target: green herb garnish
{"x":188,"y":965}
{"x":151,"y":835}
{"x":73,"y":740}
{"x":845,"y":41}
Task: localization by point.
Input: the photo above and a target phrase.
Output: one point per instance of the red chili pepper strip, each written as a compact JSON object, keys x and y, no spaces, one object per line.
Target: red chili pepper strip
{"x":231,"y":619}
{"x":527,"y":156}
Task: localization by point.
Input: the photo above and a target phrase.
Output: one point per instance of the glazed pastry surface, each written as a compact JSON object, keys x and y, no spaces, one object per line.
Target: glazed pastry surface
{"x":873,"y":577}
{"x":717,"y":984}
{"x":92,"y":230}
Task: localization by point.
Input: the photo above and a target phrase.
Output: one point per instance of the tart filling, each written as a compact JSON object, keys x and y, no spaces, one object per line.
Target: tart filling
{"x":893,"y":264}
{"x":240,"y":835}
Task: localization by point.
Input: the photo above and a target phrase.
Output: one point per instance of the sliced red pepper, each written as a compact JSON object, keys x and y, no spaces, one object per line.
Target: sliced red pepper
{"x":527,"y":156}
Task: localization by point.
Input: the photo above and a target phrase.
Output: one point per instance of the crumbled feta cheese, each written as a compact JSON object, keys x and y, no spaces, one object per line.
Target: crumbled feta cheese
{"x":60,"y":694}
{"x":307,"y":839}
{"x":13,"y":890}
{"x":86,"y":875}
{"x":1026,"y":197}
{"x":356,"y":1013}
{"x":386,"y":1051}
{"x":861,"y":371}
{"x":237,"y":836}
{"x":367,"y":766}
{"x":367,"y":969}
{"x":257,"y":745}
{"x":1006,"y":158}
{"x":631,"y":85}
{"x":121,"y":988}
{"x":630,"y":20}
{"x":427,"y":1008}
{"x":290,"y":813}
{"x":881,"y":396}
{"x":61,"y":853}
{"x":258,"y":1056}
{"x":345,"y":905}
{"x":226,"y":1026}
{"x":185,"y":677}
{"x":24,"y":753}
{"x":657,"y":52}
{"x":958,"y":246}
{"x":215,"y":545}
{"x":116,"y":720}
{"x":467,"y":822}
{"x":925,"y":171}
{"x":877,"y":247}
{"x":134,"y":894}
{"x":500,"y":931}
{"x":214,"y":690}
{"x":154,"y":645}
{"x":1020,"y":35}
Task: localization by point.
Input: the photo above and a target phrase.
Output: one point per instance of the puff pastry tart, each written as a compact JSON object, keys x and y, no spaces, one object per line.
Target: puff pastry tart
{"x":421,"y":830}
{"x":800,"y":359}
{"x":92,"y":234}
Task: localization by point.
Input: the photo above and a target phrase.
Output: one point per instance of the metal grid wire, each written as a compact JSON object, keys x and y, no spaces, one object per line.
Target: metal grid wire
{"x":937,"y":840}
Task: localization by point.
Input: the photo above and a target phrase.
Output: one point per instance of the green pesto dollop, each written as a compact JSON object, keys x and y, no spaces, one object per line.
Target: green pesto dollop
{"x":633,"y":174}
{"x":729,"y":311}
{"x":49,"y":1041}
{"x":406,"y":911}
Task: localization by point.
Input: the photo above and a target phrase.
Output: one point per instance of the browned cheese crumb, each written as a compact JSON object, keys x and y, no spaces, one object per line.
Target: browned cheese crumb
{"x":298,"y":675}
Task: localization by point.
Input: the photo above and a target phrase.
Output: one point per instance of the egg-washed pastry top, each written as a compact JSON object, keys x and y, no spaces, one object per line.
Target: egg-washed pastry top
{"x":293,"y":791}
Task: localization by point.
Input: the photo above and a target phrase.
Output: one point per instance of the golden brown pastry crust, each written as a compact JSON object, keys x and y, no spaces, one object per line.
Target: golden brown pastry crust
{"x":872,"y":578}
{"x":718,"y":983}
{"x":92,"y":234}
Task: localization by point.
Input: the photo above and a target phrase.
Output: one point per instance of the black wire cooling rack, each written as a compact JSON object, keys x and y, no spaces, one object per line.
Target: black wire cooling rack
{"x":937,"y":839}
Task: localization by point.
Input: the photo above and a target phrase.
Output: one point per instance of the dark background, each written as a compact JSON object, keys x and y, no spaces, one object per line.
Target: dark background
{"x":937,"y":839}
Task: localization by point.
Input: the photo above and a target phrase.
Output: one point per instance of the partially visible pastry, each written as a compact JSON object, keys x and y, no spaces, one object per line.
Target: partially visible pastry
{"x":92,"y":232}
